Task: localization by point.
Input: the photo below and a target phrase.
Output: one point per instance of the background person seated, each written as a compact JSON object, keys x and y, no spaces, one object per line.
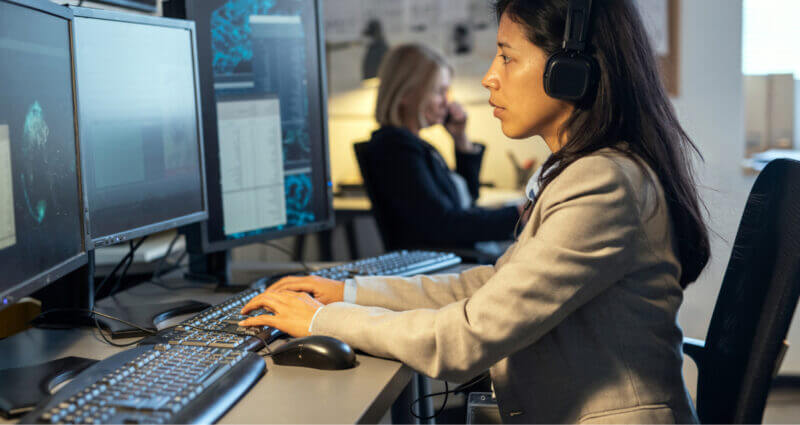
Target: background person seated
{"x":426,"y":204}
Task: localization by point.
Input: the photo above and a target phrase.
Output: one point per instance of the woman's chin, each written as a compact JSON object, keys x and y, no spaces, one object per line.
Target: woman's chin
{"x":510,"y":131}
{"x":516,"y":132}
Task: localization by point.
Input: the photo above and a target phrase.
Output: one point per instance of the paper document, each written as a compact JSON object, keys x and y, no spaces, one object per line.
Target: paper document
{"x":8,"y":233}
{"x":251,"y":164}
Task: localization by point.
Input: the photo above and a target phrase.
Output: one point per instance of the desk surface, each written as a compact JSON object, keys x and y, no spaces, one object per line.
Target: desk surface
{"x":489,"y":197}
{"x":284,"y":395}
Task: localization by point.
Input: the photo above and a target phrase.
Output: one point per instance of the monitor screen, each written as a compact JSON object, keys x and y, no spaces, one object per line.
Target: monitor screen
{"x":41,"y":220}
{"x":264,"y":99}
{"x":138,"y":112}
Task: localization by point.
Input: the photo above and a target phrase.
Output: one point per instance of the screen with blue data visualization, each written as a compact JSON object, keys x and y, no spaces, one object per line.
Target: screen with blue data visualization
{"x":40,"y":207}
{"x":266,"y":149}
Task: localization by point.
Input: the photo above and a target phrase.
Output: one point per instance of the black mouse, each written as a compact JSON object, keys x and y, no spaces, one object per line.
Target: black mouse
{"x":316,"y":351}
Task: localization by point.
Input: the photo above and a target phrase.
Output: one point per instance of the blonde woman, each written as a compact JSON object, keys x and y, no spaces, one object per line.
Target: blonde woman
{"x":425,"y":203}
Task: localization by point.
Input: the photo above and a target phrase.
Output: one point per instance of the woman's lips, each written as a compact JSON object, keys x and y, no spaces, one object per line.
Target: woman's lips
{"x":497,"y":109}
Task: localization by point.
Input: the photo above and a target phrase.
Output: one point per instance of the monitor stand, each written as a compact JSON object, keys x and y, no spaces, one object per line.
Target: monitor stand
{"x":214,"y":267}
{"x":32,"y":384}
{"x":68,"y":303}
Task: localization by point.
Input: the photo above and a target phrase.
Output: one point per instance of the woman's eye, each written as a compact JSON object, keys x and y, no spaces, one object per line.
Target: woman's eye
{"x":505,"y":58}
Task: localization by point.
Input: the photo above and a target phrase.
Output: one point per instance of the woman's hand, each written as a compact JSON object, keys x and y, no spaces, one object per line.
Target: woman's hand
{"x":324,"y":290}
{"x":293,"y":311}
{"x":456,"y":126}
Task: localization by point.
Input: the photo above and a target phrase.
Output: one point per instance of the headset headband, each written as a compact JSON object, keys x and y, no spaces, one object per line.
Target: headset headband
{"x":577,"y":25}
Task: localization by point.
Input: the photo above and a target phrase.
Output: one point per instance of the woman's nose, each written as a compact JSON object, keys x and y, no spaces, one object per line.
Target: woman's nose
{"x":490,"y":80}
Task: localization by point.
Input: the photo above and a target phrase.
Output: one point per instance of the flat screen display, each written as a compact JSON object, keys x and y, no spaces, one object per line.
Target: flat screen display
{"x":40,"y":204}
{"x":140,"y":140}
{"x":262,"y":81}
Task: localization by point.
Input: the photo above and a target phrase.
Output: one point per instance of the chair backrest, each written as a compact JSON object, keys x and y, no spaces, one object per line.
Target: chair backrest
{"x":381,"y":220}
{"x":756,"y":302}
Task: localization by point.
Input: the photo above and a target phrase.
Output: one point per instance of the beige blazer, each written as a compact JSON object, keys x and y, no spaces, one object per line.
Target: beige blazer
{"x":576,"y":322}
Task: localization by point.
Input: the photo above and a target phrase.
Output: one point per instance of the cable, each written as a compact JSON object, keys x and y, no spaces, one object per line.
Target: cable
{"x":116,"y":268}
{"x":114,"y":288}
{"x":441,"y":408}
{"x":115,"y":344}
{"x":94,"y":314}
{"x":307,"y":268}
{"x":157,"y":274}
{"x":446,"y":391}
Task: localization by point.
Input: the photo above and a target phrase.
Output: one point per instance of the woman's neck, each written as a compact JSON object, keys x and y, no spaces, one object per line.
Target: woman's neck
{"x":557,"y":136}
{"x":410,"y":121}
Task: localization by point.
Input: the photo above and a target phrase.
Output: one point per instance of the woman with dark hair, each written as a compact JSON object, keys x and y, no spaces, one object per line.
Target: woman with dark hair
{"x":577,"y":321}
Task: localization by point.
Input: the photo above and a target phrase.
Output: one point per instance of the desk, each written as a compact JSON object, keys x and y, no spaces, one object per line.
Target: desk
{"x":284,"y":395}
{"x":348,"y":208}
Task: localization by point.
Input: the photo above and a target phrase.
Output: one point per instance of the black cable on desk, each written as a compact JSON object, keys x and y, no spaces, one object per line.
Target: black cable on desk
{"x":94,"y":314}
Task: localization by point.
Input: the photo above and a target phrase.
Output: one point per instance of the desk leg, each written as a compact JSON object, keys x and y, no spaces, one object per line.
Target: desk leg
{"x":401,"y":412}
{"x":425,"y":405}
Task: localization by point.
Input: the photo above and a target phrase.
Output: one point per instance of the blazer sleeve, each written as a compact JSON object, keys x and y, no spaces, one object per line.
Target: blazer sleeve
{"x":416,"y":194}
{"x":423,"y":291}
{"x":588,"y":230}
{"x":468,"y":165}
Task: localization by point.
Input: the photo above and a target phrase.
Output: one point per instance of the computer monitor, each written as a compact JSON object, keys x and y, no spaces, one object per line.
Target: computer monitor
{"x":140,"y":133}
{"x":41,"y":208}
{"x":263,"y":85}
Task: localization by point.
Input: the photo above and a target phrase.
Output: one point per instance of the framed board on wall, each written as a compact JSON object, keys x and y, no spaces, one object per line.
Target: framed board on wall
{"x":143,"y":5}
{"x":661,"y":21}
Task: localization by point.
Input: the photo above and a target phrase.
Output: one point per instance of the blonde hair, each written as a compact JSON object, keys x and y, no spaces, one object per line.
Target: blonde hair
{"x":406,"y":68}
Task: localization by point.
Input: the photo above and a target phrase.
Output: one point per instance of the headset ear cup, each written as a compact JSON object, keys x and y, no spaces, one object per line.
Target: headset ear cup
{"x":568,"y":76}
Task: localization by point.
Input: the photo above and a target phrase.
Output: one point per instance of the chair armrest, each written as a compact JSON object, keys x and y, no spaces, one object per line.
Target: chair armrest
{"x":694,"y":348}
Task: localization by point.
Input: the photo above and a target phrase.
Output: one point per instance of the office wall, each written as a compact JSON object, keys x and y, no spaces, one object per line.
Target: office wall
{"x":352,"y":105}
{"x":710,"y":107}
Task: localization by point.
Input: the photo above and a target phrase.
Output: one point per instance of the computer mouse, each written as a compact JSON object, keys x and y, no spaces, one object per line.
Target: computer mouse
{"x":315,"y":351}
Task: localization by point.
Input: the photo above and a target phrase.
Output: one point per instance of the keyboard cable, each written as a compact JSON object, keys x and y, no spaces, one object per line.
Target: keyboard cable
{"x":94,"y":314}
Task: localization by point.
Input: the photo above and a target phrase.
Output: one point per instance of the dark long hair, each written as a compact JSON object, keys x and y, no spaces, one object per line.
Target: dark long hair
{"x":628,"y":104}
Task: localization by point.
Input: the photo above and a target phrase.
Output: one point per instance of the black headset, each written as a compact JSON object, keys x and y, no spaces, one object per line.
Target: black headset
{"x":570,"y":73}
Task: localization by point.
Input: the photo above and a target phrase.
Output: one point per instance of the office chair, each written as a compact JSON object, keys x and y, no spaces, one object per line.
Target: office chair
{"x":745,"y":342}
{"x":388,"y":236}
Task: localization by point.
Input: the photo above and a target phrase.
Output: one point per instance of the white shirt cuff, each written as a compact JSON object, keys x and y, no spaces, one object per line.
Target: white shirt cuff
{"x":311,"y":325}
{"x":350,"y":289}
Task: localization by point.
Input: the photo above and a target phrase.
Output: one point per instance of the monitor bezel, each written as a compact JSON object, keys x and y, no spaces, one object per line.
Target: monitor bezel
{"x":131,"y":5}
{"x":46,"y":277}
{"x":197,"y":236}
{"x":126,"y":17}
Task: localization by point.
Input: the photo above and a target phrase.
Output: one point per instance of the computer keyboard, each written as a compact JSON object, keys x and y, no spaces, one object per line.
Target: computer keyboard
{"x":154,"y":384}
{"x":397,"y":263}
{"x":217,"y":327}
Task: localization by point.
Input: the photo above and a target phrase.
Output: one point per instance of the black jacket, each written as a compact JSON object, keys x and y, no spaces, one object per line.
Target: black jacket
{"x":418,"y":201}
